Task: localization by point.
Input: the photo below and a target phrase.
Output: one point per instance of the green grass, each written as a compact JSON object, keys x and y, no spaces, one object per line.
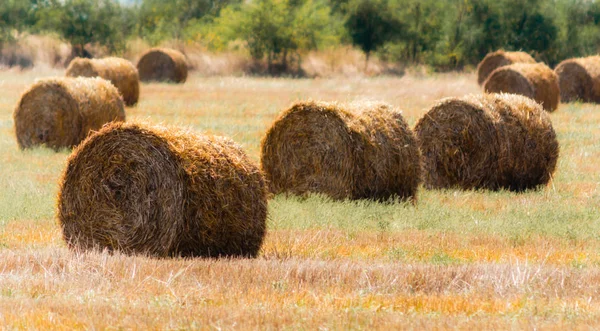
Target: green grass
{"x":545,"y":218}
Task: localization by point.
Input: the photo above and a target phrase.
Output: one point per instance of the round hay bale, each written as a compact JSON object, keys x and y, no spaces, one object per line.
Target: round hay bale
{"x":497,"y":59}
{"x":120,"y":72}
{"x":60,"y":112}
{"x":356,"y":151}
{"x":489,"y":141}
{"x":536,"y":81}
{"x":162,"y":192}
{"x":163,"y":65}
{"x":579,"y":79}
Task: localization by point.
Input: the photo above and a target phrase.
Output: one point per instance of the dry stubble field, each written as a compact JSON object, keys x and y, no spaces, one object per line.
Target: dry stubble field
{"x":457,"y":260}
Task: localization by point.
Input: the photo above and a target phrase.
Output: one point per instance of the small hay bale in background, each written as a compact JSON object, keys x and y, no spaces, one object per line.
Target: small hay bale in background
{"x":60,"y":112}
{"x":489,"y":141}
{"x":120,"y":72}
{"x":356,"y":151}
{"x":163,"y":65}
{"x":579,"y":79}
{"x":497,"y":59}
{"x":536,"y":81}
{"x":162,"y":192}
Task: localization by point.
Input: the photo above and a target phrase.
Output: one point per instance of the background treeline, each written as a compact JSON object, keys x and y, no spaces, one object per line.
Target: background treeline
{"x":445,"y":35}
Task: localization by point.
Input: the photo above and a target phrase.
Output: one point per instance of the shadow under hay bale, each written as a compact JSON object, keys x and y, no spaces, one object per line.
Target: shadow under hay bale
{"x":489,"y":141}
{"x":163,"y":65}
{"x":536,"y":81}
{"x":579,"y":79}
{"x":120,"y":72}
{"x":162,"y":192}
{"x":498,"y":59}
{"x":60,"y":112}
{"x":356,"y":151}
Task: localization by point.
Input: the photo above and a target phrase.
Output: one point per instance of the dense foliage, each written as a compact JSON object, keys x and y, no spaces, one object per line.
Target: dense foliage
{"x":443,"y":34}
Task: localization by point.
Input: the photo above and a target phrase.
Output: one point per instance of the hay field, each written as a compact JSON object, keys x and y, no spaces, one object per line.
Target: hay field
{"x":459,"y":259}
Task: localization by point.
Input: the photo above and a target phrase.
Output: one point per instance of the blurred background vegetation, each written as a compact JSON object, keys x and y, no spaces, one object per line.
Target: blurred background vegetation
{"x":443,"y":35}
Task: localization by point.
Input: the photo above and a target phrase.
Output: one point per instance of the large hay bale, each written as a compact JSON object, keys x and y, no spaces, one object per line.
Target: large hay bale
{"x":162,"y":192}
{"x":489,"y":141}
{"x":163,"y":65}
{"x":60,"y":112}
{"x":536,"y":81}
{"x":120,"y":72}
{"x":498,"y":59}
{"x":356,"y":151}
{"x":579,"y":79}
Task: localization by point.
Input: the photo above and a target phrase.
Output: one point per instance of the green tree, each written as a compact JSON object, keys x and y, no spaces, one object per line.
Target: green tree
{"x":424,"y":21}
{"x":277,"y":29}
{"x":160,"y":20}
{"x":14,"y":16}
{"x":533,"y":32}
{"x":475,"y":27}
{"x":86,"y":21}
{"x":578,"y":29}
{"x":371,"y":24}
{"x":486,"y":30}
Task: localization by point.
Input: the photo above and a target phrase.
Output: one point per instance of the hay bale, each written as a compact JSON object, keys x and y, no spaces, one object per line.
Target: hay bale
{"x":489,"y":141}
{"x":356,"y":151}
{"x":163,"y":65}
{"x":60,"y":112}
{"x":162,"y":192}
{"x":497,"y":59}
{"x":536,"y":81}
{"x":120,"y":72}
{"x":579,"y":79}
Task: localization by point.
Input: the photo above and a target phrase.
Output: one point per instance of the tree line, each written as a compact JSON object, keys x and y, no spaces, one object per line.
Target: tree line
{"x":446,"y":35}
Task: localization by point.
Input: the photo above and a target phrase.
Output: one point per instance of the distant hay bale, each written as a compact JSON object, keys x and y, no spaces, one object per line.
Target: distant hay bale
{"x":489,"y":141}
{"x":162,"y":192}
{"x":497,"y":59}
{"x":579,"y":79}
{"x":163,"y":65}
{"x":536,"y":81}
{"x":60,"y":112}
{"x":120,"y":72}
{"x":356,"y":151}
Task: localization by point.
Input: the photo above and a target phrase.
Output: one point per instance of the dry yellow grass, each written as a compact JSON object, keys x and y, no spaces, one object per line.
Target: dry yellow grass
{"x":405,"y":247}
{"x":459,"y":259}
{"x":57,"y":289}
{"x":418,"y":247}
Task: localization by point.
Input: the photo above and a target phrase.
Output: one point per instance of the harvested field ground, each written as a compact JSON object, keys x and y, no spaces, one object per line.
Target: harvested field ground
{"x":459,"y":259}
